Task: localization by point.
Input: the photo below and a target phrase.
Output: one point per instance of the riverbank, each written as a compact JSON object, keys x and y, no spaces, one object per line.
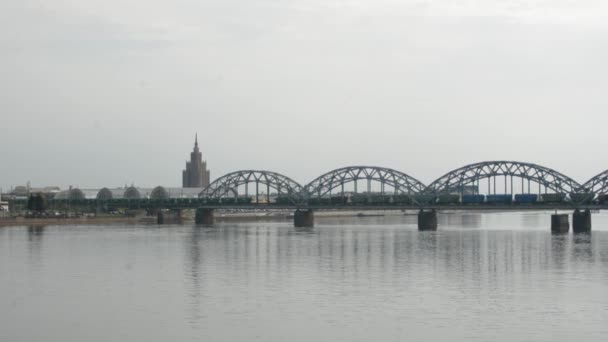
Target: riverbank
{"x":188,"y":217}
{"x":20,"y":221}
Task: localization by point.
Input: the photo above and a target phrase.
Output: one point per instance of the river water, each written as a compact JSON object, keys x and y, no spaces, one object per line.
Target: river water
{"x":480,"y":277}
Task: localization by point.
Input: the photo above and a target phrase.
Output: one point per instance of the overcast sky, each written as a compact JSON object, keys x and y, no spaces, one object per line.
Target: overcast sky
{"x":106,"y":92}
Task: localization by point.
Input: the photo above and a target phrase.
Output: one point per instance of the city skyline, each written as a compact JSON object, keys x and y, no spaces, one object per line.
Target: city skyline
{"x":511,"y":168}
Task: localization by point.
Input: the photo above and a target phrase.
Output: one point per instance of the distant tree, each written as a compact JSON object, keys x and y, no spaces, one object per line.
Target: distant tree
{"x":76,"y":194}
{"x":104,"y":194}
{"x":132,"y":193}
{"x":37,"y":202}
{"x":159,"y":193}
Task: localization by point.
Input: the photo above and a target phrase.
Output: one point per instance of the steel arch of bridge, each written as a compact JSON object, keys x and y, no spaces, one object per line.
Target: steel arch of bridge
{"x":399,"y":181}
{"x":596,"y":185}
{"x":228,"y":185}
{"x":471,"y":174}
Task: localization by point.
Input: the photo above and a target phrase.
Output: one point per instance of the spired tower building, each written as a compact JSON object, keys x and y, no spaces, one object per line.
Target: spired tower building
{"x":196,"y":174}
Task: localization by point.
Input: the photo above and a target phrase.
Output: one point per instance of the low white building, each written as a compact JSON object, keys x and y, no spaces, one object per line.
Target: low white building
{"x":118,"y":193}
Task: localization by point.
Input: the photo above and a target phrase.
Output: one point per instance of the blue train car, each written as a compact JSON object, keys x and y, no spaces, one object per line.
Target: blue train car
{"x":500,"y":199}
{"x":526,"y":198}
{"x":473,"y":199}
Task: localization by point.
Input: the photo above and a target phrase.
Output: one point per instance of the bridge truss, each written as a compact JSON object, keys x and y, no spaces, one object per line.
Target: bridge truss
{"x":596,"y":185}
{"x":400,"y":182}
{"x":457,"y":180}
{"x":229,"y":184}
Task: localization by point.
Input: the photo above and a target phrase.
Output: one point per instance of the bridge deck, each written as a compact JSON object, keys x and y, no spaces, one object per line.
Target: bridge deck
{"x":536,"y":207}
{"x":195,"y":203}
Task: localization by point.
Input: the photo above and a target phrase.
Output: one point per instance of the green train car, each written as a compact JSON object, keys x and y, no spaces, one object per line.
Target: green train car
{"x":553,"y":198}
{"x":582,"y":197}
{"x":339,"y":200}
{"x":283,"y":200}
{"x":448,"y":199}
{"x":602,"y":199}
{"x":402,"y":200}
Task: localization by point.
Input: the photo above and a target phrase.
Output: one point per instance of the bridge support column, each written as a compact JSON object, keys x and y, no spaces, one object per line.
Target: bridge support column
{"x":172,"y":216}
{"x":581,"y":221}
{"x":304,"y":218}
{"x":204,"y":216}
{"x":427,"y":220}
{"x":560,"y":223}
{"x":101,"y":208}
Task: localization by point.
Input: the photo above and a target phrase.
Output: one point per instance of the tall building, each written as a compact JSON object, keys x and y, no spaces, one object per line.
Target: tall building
{"x":196,"y":174}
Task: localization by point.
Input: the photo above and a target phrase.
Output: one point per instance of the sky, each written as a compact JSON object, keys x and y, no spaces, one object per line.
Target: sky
{"x":111,"y":92}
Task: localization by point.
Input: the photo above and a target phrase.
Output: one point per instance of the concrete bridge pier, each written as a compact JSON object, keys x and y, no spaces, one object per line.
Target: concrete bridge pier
{"x":427,"y":220}
{"x":304,"y":218}
{"x":581,"y":221}
{"x":101,"y":208}
{"x":560,"y":224}
{"x":204,"y":216}
{"x":171,"y":216}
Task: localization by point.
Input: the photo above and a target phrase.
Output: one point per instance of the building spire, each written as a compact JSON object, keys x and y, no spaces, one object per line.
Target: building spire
{"x":196,"y":139}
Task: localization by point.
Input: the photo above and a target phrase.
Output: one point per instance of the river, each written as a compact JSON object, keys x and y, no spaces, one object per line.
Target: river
{"x":479,"y":277}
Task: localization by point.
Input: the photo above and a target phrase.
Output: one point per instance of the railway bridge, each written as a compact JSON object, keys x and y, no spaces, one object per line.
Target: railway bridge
{"x":490,"y":185}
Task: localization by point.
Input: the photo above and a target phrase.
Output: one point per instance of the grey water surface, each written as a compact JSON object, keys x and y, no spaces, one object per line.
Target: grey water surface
{"x":480,"y":277}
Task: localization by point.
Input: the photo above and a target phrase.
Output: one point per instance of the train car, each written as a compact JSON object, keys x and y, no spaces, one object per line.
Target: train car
{"x":282,"y":200}
{"x":358,"y":199}
{"x":243,"y":200}
{"x":403,"y":200}
{"x":602,"y":199}
{"x":448,"y":199}
{"x":324,"y":201}
{"x":212,"y":201}
{"x":180,"y":201}
{"x":499,"y":199}
{"x":314,"y":201}
{"x":553,"y":198}
{"x":377,"y":199}
{"x":339,"y":200}
{"x":582,"y":197}
{"x":153,"y":202}
{"x":526,"y":198}
{"x":425,"y":198}
{"x":473,"y":199}
{"x":228,"y":200}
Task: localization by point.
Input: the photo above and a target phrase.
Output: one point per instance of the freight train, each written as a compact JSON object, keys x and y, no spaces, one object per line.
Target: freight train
{"x":456,"y":199}
{"x":519,"y":199}
{"x":377,"y":199}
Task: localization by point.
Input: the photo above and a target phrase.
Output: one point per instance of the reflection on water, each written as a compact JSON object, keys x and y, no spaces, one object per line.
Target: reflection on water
{"x":479,"y":277}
